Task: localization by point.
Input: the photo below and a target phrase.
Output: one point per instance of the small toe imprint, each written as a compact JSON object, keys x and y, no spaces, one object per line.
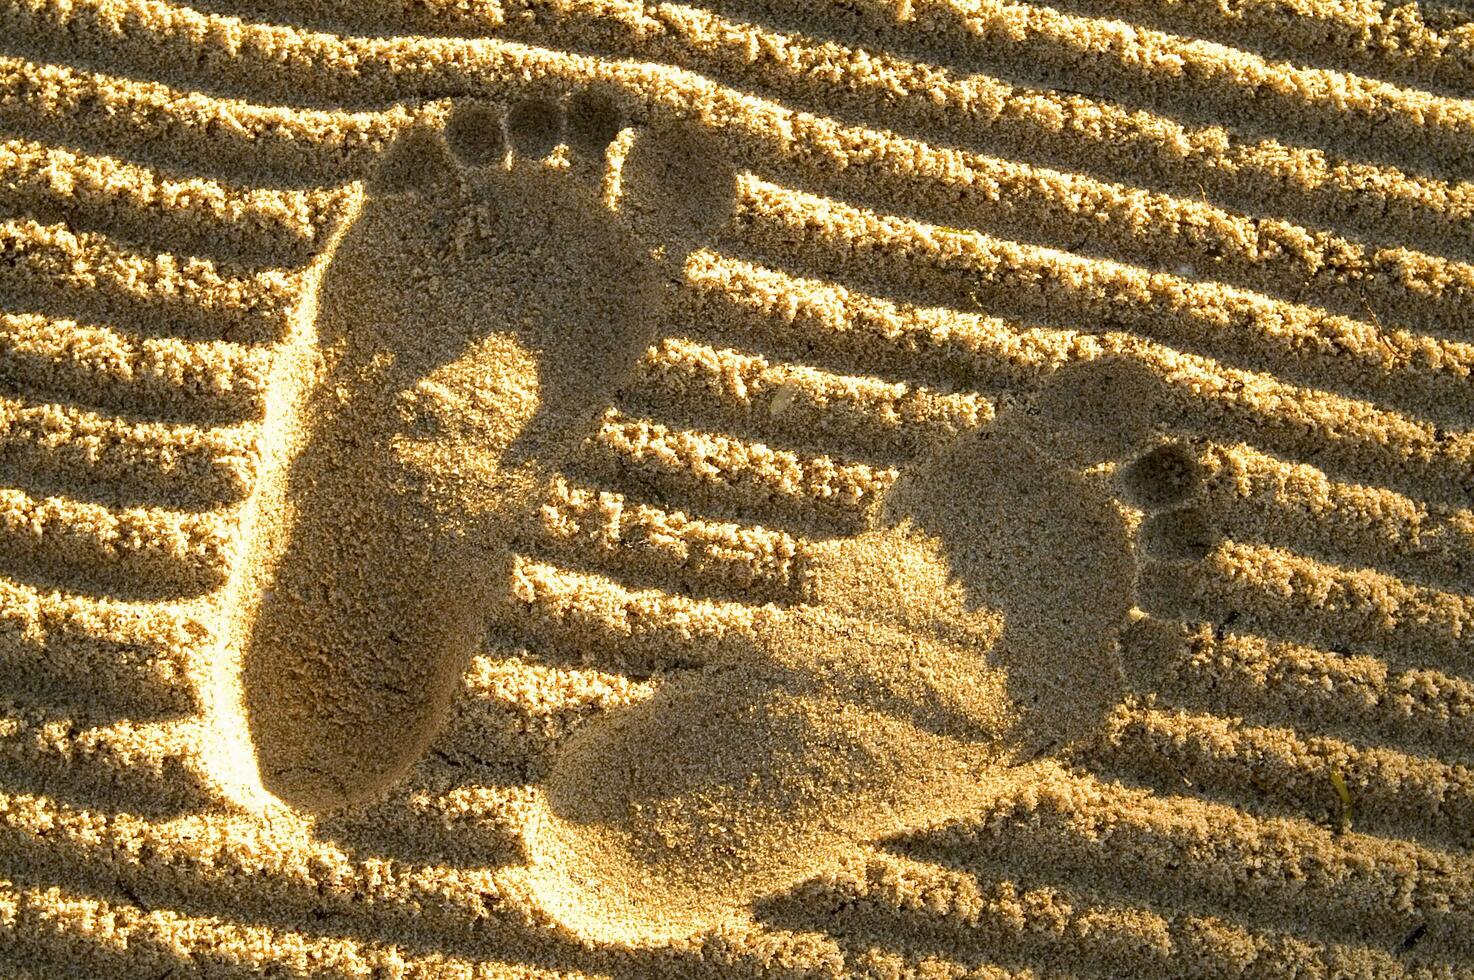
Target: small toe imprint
{"x":1183,"y":534}
{"x":1162,"y":477}
{"x":474,"y":132}
{"x":533,"y":126}
{"x":593,"y":121}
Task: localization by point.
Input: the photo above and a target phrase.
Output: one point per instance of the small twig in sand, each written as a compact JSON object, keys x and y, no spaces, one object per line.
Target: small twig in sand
{"x":1413,"y":938}
{"x":1338,"y":782}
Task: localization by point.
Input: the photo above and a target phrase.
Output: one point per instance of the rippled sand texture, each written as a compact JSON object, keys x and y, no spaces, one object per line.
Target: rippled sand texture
{"x":741,"y":489}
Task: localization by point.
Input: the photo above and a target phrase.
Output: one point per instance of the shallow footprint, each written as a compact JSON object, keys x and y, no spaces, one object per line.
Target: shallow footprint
{"x":478,"y":311}
{"x":972,"y":634}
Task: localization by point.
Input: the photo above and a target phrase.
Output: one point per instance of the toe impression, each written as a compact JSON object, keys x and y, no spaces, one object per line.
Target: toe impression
{"x":1181,"y":534}
{"x":676,"y":183}
{"x":1162,"y":477}
{"x":474,"y":133}
{"x":417,"y":161}
{"x":1093,"y":411}
{"x":593,"y":121}
{"x":534,"y":127}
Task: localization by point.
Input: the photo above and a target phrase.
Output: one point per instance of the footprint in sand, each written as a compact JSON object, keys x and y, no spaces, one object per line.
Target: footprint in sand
{"x":971,"y":634}
{"x":478,"y":310}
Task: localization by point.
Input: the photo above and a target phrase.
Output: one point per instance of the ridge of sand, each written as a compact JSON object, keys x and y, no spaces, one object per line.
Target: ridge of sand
{"x":836,"y":617}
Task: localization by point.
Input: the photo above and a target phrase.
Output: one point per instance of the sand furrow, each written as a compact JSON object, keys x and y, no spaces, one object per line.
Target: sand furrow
{"x":815,"y":75}
{"x":115,"y":923}
{"x":527,"y":708}
{"x":1275,"y":683}
{"x":976,"y":110}
{"x":160,"y":293}
{"x":1349,"y":439}
{"x":1259,"y":253}
{"x":760,"y":307}
{"x":142,"y":768}
{"x":180,"y":45}
{"x":970,"y":270}
{"x":239,"y":224}
{"x":951,"y":104}
{"x":1207,"y":858}
{"x":1259,"y":587}
{"x":1253,"y":495}
{"x":632,"y":536}
{"x":1405,"y":45}
{"x":184,"y":47}
{"x":1144,"y":67}
{"x":132,"y":552}
{"x":1183,"y":235}
{"x":95,"y":658}
{"x":59,"y":929}
{"x":941,"y":106}
{"x":229,"y":868}
{"x":1279,"y":770}
{"x":102,"y":367}
{"x":1360,"y":441}
{"x":727,"y":474}
{"x":803,"y":406}
{"x":1405,"y":273}
{"x":541,"y":691}
{"x":1076,"y":131}
{"x":953,"y":915}
{"x":192,"y":131}
{"x":1399,"y":44}
{"x":208,"y":849}
{"x":1009,"y":196}
{"x":45,"y":445}
{"x":189,"y":865}
{"x":967,"y":917}
{"x":638,"y":631}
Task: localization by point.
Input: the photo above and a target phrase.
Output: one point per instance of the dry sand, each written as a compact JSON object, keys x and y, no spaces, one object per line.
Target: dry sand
{"x":754,"y":488}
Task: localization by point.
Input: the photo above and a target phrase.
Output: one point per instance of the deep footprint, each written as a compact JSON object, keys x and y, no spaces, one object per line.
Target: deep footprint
{"x":973,"y":633}
{"x":477,"y":313}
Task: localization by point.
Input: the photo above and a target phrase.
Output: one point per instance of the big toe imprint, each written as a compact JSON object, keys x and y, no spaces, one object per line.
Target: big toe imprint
{"x":944,"y":653}
{"x":482,"y":304}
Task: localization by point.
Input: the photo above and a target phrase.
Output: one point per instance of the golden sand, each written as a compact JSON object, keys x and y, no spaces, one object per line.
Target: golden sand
{"x":946,"y":488}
